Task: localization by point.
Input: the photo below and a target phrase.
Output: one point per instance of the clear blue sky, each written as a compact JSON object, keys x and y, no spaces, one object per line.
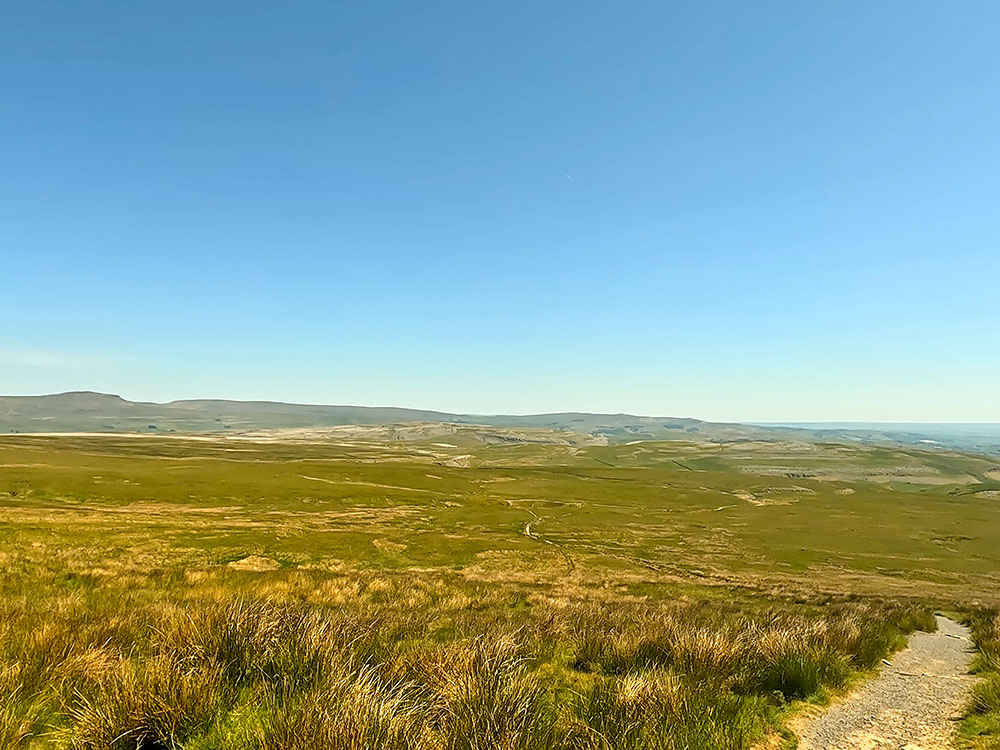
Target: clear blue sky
{"x":728,"y":210}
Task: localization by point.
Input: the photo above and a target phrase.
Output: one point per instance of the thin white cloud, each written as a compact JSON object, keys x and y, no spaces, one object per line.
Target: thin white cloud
{"x":50,"y":359}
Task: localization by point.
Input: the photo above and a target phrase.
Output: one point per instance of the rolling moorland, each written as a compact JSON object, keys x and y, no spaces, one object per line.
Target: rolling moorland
{"x":86,"y":411}
{"x":438,"y":584}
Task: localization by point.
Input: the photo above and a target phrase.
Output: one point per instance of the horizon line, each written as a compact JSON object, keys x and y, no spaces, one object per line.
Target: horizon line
{"x":749,"y":422}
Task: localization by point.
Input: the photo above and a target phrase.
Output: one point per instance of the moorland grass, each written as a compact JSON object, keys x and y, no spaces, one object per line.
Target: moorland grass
{"x":981,"y":728}
{"x":818,"y":517}
{"x":177,"y":594}
{"x":409,"y":663}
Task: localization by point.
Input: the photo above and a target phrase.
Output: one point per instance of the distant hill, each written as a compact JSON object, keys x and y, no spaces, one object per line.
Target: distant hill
{"x":86,"y":411}
{"x":976,"y":437}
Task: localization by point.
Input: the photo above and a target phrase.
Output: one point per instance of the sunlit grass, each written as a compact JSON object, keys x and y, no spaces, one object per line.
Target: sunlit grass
{"x":416,"y":663}
{"x":981,"y":728}
{"x":160,"y":595}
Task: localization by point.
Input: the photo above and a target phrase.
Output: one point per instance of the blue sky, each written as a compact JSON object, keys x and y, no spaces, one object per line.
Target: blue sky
{"x":751,"y":211}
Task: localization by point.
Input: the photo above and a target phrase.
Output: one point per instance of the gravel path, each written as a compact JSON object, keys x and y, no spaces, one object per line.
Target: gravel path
{"x":910,"y":705}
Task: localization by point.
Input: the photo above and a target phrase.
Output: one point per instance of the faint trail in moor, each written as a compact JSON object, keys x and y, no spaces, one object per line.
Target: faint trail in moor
{"x":912,"y":704}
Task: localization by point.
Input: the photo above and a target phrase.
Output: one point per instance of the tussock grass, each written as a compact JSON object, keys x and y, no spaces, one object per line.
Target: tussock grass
{"x":404,"y":662}
{"x":981,"y":728}
{"x":157,"y":702}
{"x":791,"y":656}
{"x":659,"y":709}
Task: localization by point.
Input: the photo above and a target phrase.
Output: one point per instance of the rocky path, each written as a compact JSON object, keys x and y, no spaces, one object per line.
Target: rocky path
{"x":910,"y":705}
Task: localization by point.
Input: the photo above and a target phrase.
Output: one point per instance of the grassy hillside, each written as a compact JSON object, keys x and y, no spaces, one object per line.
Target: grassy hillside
{"x":95,"y":412}
{"x":345,"y":588}
{"x":967,"y":437}
{"x":792,"y":514}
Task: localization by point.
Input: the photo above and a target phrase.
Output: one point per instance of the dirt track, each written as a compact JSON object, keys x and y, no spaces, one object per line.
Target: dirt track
{"x":910,"y":705}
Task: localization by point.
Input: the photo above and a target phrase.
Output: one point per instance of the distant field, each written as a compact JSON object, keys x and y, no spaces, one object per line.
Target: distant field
{"x":970,"y":437}
{"x":378,"y":588}
{"x":818,"y":517}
